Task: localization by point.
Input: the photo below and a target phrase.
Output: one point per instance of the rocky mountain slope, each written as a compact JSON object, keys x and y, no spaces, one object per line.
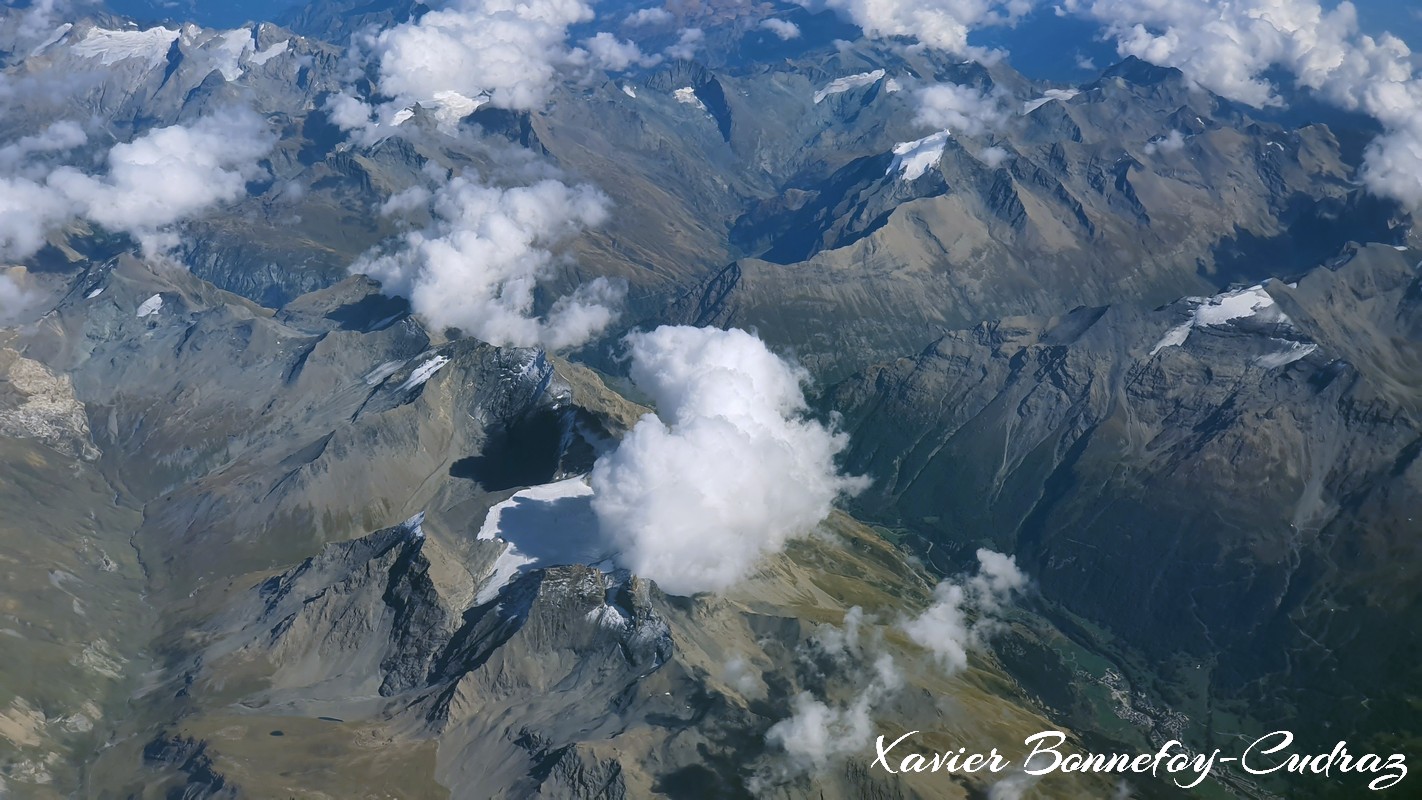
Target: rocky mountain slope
{"x":270,"y":531}
{"x":1106,"y":446}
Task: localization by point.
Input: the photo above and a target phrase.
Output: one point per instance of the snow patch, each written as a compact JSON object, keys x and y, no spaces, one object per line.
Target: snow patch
{"x":912,"y":159}
{"x":451,"y":107}
{"x":1047,"y":97}
{"x":629,"y":91}
{"x":378,"y":375}
{"x":612,"y":617}
{"x":544,"y":526}
{"x":111,"y":47}
{"x":53,"y":38}
{"x":424,"y":372}
{"x":261,"y":57}
{"x":151,"y":306}
{"x":1221,"y":309}
{"x":228,"y":51}
{"x":848,"y":82}
{"x":1293,"y":352}
{"x":687,"y":95}
{"x":95,"y":293}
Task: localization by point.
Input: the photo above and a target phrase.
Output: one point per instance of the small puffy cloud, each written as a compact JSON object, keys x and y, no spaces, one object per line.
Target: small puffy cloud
{"x":942,"y":25}
{"x":687,"y":43}
{"x":348,"y":111}
{"x":842,"y":641}
{"x":740,"y":676}
{"x":477,"y":265}
{"x":725,"y":472}
{"x":28,"y":211}
{"x":1015,"y":786}
{"x":783,"y":28}
{"x":816,"y":734}
{"x":57,"y":138}
{"x":993,"y":157}
{"x":648,"y":16}
{"x":610,"y":53}
{"x":411,"y":199}
{"x":1171,"y":143}
{"x":944,"y":628}
{"x":961,"y":109}
{"x":170,"y":174}
{"x":15,"y":300}
{"x":1231,"y":49}
{"x":468,"y":53}
{"x":153,"y":182}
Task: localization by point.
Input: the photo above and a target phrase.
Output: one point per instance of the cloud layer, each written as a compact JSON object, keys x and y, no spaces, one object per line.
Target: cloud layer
{"x":153,"y":182}
{"x":725,"y":472}
{"x":1230,"y":49}
{"x":960,"y":109}
{"x":944,"y":24}
{"x":463,"y":54}
{"x":478,"y":263}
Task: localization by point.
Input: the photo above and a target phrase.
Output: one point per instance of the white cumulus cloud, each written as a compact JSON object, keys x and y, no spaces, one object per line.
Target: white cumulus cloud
{"x":170,"y":174}
{"x":783,"y":28}
{"x":943,"y":24}
{"x":727,"y":469}
{"x":463,"y":54}
{"x":478,"y":263}
{"x":58,"y":137}
{"x":1230,"y":49}
{"x":945,"y":629}
{"x":610,"y":53}
{"x":161,"y":178}
{"x":15,"y":300}
{"x":688,"y":42}
{"x":817,"y":733}
{"x":961,"y":109}
{"x":648,"y":16}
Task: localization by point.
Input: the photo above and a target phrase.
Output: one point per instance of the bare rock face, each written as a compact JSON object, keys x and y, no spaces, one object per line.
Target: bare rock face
{"x":1117,"y":440}
{"x":40,"y":405}
{"x":1129,"y":369}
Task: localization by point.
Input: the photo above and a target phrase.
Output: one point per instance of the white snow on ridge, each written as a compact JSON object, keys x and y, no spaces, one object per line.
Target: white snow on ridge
{"x":416,"y":525}
{"x":1047,"y":97}
{"x":1293,"y":352}
{"x":544,"y":526}
{"x":261,"y":57}
{"x":424,"y":372}
{"x":229,"y":48}
{"x":378,"y":375}
{"x":1220,"y":309}
{"x":912,"y":159}
{"x":850,"y":82}
{"x":687,"y":95}
{"x":111,"y":47}
{"x":53,"y":37}
{"x":629,"y":91}
{"x":151,"y":306}
{"x":450,"y":107}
